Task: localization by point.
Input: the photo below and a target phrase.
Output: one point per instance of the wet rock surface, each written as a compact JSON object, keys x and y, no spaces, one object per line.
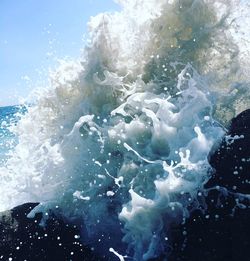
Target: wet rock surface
{"x":22,"y":238}
{"x":221,"y":232}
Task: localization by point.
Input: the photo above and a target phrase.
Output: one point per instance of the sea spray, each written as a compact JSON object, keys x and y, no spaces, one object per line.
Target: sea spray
{"x":120,"y":138}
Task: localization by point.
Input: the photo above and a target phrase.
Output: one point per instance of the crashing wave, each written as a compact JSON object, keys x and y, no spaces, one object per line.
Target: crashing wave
{"x":120,"y":138}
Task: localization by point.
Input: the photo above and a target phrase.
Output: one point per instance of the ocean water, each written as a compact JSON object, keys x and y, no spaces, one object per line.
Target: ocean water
{"x":119,"y":141}
{"x":9,"y":116}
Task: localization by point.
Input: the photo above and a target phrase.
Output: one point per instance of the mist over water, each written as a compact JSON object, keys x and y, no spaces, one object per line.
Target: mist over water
{"x":120,"y":138}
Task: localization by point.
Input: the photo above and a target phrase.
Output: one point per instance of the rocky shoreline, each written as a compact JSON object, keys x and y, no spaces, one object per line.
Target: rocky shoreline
{"x":22,"y":238}
{"x":219,"y":233}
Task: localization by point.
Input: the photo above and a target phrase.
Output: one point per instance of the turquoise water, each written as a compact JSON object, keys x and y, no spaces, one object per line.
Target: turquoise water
{"x":9,"y":116}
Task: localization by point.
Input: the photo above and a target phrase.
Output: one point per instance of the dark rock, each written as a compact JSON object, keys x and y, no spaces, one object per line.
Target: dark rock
{"x":22,"y":238}
{"x":221,"y":231}
{"x":231,"y":159}
{"x":241,"y":124}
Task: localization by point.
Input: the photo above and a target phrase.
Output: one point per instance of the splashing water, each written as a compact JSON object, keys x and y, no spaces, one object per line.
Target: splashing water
{"x":120,"y":139}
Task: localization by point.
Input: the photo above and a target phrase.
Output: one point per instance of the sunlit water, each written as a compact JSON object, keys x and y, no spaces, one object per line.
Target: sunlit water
{"x":120,"y":138}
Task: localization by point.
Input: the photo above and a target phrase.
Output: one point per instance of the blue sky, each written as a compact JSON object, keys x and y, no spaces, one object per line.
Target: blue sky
{"x":35,"y":32}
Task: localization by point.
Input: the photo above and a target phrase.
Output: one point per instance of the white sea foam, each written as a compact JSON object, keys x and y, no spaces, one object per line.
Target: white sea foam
{"x":121,"y":137}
